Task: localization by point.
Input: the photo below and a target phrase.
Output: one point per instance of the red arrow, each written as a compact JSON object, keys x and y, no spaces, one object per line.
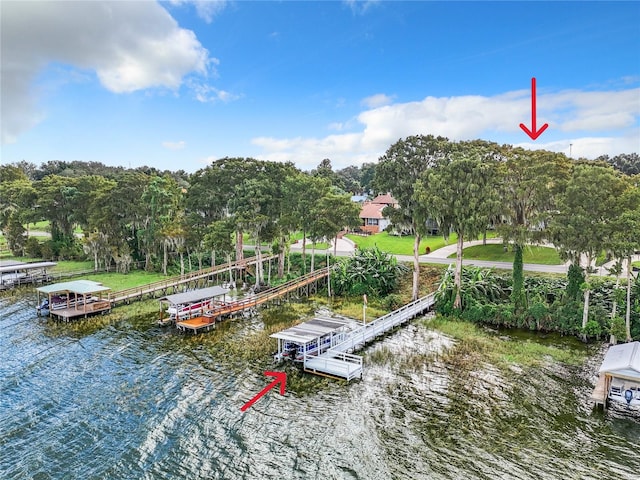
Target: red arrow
{"x":533,"y":133}
{"x":281,"y":377}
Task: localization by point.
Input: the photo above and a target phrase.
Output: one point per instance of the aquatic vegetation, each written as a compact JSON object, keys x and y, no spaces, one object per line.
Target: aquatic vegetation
{"x":474,"y":344}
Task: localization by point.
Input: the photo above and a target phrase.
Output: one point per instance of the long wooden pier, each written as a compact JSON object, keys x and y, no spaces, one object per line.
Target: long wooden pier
{"x":339,"y":360}
{"x":303,"y":285}
{"x":174,"y":284}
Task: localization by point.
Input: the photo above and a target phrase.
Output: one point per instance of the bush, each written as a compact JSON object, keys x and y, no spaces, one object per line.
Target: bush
{"x":392,"y":301}
{"x":368,"y":271}
{"x":592,"y":329}
{"x":32,"y":247}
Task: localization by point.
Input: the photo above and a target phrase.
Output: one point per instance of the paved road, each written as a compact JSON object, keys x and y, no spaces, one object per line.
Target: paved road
{"x":346,"y":247}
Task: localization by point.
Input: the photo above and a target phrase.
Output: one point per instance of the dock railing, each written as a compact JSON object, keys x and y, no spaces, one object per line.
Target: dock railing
{"x":177,"y":280}
{"x":362,"y":335}
{"x":341,"y":364}
{"x":270,"y":294}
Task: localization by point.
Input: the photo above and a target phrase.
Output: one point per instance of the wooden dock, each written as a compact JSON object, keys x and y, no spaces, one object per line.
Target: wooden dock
{"x":85,"y":310}
{"x":599,"y":395}
{"x":177,"y":283}
{"x":303,"y":285}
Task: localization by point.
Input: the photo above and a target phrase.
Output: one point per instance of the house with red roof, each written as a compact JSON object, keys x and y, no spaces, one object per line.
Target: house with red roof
{"x":373,"y":220}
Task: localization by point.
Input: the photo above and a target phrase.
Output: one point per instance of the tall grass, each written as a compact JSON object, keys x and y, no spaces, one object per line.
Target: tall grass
{"x":474,"y":345}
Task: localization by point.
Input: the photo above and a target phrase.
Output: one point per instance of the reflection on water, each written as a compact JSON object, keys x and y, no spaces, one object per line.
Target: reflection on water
{"x":135,"y":401}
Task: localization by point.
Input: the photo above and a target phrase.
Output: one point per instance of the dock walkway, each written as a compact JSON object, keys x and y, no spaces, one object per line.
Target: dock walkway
{"x":173,"y":284}
{"x":206,"y":321}
{"x":339,"y":360}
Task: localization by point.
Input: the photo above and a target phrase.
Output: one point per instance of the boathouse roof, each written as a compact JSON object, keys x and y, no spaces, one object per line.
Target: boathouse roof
{"x":17,"y":266}
{"x":316,"y":328}
{"x":623,"y":361}
{"x":80,"y":287}
{"x":195,"y":295}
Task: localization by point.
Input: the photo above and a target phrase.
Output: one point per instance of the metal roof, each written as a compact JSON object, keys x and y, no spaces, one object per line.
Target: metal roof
{"x":81,"y":287}
{"x":622,"y":361}
{"x":195,"y":295}
{"x":313,"y":329}
{"x":25,"y":266}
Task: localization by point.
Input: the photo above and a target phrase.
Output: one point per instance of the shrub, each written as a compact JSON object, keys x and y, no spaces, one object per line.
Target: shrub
{"x":32,"y":247}
{"x":392,"y":301}
{"x":368,"y":271}
{"x":592,"y":329}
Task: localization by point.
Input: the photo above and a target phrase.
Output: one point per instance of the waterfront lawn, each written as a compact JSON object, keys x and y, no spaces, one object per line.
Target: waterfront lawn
{"x":495,"y":253}
{"x":398,"y":245}
{"x":68,"y":266}
{"x":120,"y":281}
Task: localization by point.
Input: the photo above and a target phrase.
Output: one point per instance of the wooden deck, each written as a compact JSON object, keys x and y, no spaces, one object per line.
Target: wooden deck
{"x":86,"y":310}
{"x":197,"y":324}
{"x":599,"y":395}
{"x":207,"y":321}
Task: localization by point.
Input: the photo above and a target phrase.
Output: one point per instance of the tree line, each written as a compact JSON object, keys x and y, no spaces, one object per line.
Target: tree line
{"x":144,"y":215}
{"x":155,"y":217}
{"x":583,"y":207}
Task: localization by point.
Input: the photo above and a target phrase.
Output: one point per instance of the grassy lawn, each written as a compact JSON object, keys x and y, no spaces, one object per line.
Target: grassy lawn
{"x":72,"y":266}
{"x":119,"y":281}
{"x":400,"y":245}
{"x":495,"y":253}
{"x":42,"y":226}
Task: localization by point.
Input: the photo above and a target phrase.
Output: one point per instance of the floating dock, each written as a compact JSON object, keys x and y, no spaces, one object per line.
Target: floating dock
{"x":338,"y":359}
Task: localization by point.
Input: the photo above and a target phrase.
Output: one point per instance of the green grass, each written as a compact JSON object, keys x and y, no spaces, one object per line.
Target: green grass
{"x":66,"y":266}
{"x":120,"y":281}
{"x":42,"y":226}
{"x":404,"y":245}
{"x":400,"y":245}
{"x":635,"y":264}
{"x":495,"y":253}
{"x":475,"y":345}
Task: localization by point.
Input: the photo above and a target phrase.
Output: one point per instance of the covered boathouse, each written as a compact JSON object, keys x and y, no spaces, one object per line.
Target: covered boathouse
{"x":69,"y":300}
{"x":13,"y":273}
{"x":619,"y":379}
{"x":194,"y":310}
{"x":313,"y":337}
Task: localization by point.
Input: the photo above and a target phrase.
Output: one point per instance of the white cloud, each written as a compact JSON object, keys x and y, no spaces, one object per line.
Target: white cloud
{"x":130,"y":46}
{"x":377,"y":100}
{"x":602,"y":122}
{"x":206,"y":9}
{"x":360,"y":7}
{"x":174,"y":145}
{"x":592,"y":147}
{"x":206,"y":93}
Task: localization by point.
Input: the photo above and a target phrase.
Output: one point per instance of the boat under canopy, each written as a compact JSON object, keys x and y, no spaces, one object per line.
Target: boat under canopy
{"x":312,"y":337}
{"x":621,"y":371}
{"x":190,"y":304}
{"x":67,"y":300}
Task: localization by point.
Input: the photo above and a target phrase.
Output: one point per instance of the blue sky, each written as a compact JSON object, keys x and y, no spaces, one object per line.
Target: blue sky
{"x":178,"y":84}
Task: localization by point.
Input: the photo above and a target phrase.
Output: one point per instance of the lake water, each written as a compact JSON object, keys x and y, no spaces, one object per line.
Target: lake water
{"x":134,"y":401}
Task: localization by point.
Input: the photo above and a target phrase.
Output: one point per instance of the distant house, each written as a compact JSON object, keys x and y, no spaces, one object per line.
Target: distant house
{"x":373,"y":221}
